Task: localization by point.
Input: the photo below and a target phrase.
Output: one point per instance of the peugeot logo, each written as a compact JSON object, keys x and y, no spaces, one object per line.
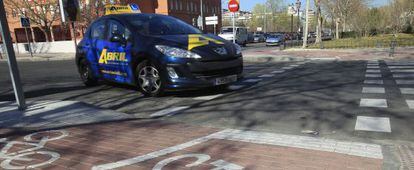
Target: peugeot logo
{"x":221,"y":51}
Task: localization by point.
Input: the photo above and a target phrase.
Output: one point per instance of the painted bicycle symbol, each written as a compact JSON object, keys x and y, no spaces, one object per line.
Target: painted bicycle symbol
{"x":33,"y":156}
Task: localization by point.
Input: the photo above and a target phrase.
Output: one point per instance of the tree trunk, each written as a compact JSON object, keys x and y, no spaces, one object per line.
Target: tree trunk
{"x":319,"y":26}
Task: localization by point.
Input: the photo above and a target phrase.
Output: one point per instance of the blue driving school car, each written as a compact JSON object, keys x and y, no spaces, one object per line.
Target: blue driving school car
{"x":156,"y":53}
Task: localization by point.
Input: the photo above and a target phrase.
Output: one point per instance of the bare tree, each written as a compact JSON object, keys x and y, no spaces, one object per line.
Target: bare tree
{"x":319,"y":21}
{"x":41,"y":13}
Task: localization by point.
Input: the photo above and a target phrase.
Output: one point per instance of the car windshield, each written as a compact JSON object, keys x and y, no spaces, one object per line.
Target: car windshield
{"x":161,"y":25}
{"x":227,"y":30}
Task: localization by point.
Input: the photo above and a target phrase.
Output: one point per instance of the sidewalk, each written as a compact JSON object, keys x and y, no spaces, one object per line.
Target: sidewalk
{"x":274,"y":54}
{"x":43,"y":57}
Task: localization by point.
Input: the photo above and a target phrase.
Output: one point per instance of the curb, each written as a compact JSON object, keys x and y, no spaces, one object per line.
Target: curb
{"x":266,"y":58}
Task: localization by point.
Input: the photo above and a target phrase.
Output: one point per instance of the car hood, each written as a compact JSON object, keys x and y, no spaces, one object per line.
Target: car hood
{"x":208,"y":46}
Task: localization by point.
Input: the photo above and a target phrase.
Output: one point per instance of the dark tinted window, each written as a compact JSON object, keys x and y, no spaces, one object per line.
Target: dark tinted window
{"x":161,"y":25}
{"x":118,"y":28}
{"x":98,"y":30}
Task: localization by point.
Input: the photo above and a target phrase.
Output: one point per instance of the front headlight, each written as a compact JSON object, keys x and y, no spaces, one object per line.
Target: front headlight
{"x":176,"y":52}
{"x":238,"y":49}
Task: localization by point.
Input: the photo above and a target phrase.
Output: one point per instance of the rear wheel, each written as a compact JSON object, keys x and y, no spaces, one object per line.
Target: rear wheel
{"x":150,"y":81}
{"x":85,"y":73}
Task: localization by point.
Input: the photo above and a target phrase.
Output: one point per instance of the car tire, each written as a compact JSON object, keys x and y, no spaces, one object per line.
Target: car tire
{"x":85,"y":72}
{"x":149,"y":79}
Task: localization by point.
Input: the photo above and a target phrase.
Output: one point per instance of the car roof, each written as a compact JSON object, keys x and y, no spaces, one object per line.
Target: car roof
{"x":122,"y":16}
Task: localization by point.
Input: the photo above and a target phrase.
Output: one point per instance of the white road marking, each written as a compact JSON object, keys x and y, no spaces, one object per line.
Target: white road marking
{"x":382,"y":103}
{"x":169,"y":111}
{"x":235,"y":87}
{"x":373,"y":67}
{"x":287,"y":68}
{"x":266,"y":76}
{"x":304,"y":142}
{"x":294,"y":65}
{"x":401,"y":67}
{"x":404,"y":82}
{"x":252,"y":80}
{"x":211,"y":97}
{"x":373,"y":71}
{"x":410,"y":103}
{"x":403,"y":75}
{"x":402,"y":71}
{"x":407,"y":90}
{"x":374,"y":124}
{"x":377,"y":90}
{"x":373,"y":75}
{"x":374,"y":82}
{"x":278,"y":71}
{"x":372,"y":61}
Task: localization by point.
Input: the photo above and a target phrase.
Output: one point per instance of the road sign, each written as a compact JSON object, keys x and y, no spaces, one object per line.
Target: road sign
{"x":234,"y":6}
{"x":72,"y":9}
{"x":259,"y":29}
{"x":24,"y":22}
{"x":213,"y":20}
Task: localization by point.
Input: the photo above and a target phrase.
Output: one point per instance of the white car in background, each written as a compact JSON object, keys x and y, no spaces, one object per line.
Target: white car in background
{"x":241,"y":35}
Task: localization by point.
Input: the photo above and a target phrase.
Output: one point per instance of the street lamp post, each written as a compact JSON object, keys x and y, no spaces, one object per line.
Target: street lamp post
{"x":298,"y":4}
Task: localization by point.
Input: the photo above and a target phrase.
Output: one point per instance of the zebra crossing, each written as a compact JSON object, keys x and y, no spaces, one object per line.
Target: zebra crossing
{"x":402,"y":76}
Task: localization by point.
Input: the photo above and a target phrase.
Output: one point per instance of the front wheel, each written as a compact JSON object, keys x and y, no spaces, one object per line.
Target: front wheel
{"x":85,"y":73}
{"x":150,"y":81}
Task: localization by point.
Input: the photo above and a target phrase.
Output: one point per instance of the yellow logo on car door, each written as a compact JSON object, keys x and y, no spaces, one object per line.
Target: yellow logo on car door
{"x":196,"y":40}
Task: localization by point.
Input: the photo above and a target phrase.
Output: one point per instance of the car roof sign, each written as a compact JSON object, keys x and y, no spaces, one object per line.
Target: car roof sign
{"x":122,"y":9}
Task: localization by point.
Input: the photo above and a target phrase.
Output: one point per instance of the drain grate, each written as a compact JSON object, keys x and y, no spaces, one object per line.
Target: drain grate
{"x":406,"y":154}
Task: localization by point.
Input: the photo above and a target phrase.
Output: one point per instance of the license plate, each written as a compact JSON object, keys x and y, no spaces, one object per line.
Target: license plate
{"x":226,"y":80}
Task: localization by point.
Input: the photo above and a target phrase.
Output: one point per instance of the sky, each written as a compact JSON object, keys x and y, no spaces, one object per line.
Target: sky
{"x":247,"y":5}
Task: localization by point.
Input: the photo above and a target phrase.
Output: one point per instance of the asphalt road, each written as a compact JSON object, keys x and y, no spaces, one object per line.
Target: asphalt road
{"x":320,"y":96}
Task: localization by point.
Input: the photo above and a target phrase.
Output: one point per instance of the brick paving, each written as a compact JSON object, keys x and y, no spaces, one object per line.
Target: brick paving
{"x":87,"y":146}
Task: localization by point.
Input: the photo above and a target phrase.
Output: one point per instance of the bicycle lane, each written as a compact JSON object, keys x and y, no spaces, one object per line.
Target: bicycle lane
{"x":160,"y":145}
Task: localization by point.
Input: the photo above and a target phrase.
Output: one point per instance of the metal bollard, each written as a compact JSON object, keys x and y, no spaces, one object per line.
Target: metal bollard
{"x":392,"y":49}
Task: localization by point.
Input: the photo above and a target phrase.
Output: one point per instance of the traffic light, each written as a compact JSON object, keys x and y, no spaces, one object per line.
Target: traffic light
{"x":72,"y":9}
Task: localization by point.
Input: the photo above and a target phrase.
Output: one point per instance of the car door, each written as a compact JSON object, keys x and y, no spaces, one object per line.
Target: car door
{"x":95,"y":44}
{"x":115,"y":56}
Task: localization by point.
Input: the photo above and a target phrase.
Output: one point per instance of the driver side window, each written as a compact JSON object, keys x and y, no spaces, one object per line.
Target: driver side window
{"x":116,"y":28}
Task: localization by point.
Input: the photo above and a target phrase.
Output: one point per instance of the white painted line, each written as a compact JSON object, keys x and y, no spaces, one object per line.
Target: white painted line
{"x":278,"y":71}
{"x":410,"y":103}
{"x":372,"y":61}
{"x":373,"y":67}
{"x":294,"y":65}
{"x":374,"y":124}
{"x":211,"y":97}
{"x":287,"y":68}
{"x":169,"y":111}
{"x":403,"y":75}
{"x":382,"y":103}
{"x":325,"y":58}
{"x":252,"y":80}
{"x":266,"y":76}
{"x":373,"y":64}
{"x":404,"y":82}
{"x":152,"y":155}
{"x":235,"y":87}
{"x":377,"y":90}
{"x":373,"y":71}
{"x":402,"y":71}
{"x":304,"y":142}
{"x":378,"y":82}
{"x":373,"y":75}
{"x":407,"y":90}
{"x":401,"y":67}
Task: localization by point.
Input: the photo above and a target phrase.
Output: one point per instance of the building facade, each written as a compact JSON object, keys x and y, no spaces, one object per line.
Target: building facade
{"x":186,"y":10}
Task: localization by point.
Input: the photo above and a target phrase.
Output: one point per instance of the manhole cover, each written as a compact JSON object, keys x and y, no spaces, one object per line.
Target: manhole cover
{"x":406,"y":154}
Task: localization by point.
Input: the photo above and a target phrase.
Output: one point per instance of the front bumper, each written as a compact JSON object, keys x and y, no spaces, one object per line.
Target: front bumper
{"x":200,"y":74}
{"x":273,"y":43}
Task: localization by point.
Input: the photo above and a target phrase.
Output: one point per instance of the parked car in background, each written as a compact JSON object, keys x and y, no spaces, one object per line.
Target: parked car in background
{"x":259,"y":38}
{"x":241,"y":35}
{"x":250,"y":37}
{"x":276,"y":39}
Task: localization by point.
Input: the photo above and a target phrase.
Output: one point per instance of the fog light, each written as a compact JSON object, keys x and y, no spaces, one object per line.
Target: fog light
{"x":172,"y":73}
